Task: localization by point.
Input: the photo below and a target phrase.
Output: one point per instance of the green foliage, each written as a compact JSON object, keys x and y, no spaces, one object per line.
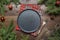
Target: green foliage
{"x":5,"y":2}
{"x":54,"y":11}
{"x":50,"y":2}
{"x":15,"y":1}
{"x":2,"y":9}
{"x":6,"y":33}
{"x":40,"y":1}
{"x":51,"y":7}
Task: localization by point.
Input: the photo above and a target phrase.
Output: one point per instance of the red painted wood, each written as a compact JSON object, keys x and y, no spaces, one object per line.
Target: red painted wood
{"x":33,"y":6}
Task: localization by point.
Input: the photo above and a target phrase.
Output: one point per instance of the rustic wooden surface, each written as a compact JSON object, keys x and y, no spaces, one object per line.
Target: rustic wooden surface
{"x":46,"y":30}
{"x":48,"y":27}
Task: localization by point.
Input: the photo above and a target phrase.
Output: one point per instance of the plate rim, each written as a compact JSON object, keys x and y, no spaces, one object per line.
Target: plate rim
{"x":25,"y":30}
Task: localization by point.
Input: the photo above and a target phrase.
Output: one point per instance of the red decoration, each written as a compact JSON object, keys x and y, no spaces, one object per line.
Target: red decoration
{"x":58,"y":2}
{"x":35,"y":7}
{"x":22,"y":7}
{"x":32,"y":6}
{"x":17,"y":28}
{"x":34,"y":34}
{"x":10,"y":7}
{"x":2,"y":19}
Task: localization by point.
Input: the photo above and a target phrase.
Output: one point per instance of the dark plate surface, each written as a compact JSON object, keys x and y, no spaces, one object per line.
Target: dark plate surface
{"x":29,"y":20}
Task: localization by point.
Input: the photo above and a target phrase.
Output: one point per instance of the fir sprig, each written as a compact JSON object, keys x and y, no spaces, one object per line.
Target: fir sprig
{"x":51,"y":7}
{"x":6,"y":33}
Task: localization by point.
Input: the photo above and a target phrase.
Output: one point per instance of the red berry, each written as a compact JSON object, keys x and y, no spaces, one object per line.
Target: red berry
{"x":34,"y":34}
{"x":58,"y":2}
{"x":10,"y":7}
{"x":2,"y":19}
{"x":17,"y":28}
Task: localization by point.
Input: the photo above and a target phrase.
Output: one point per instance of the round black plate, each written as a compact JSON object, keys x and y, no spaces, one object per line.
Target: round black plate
{"x":29,"y":20}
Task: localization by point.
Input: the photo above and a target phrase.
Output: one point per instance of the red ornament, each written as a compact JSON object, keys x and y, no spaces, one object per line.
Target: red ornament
{"x":22,"y":7}
{"x":2,"y":19}
{"x":10,"y":7}
{"x":17,"y":28}
{"x":34,"y":34}
{"x":58,"y":2}
{"x":35,"y":7}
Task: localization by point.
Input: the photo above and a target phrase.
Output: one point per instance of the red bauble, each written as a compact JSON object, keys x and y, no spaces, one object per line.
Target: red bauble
{"x":10,"y":7}
{"x":34,"y":34}
{"x":2,"y":19}
{"x":58,"y":2}
{"x":17,"y":28}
